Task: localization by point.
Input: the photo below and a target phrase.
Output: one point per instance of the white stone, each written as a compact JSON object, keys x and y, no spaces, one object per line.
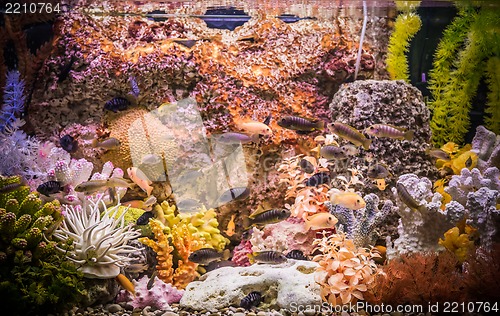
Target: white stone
{"x":282,"y":286}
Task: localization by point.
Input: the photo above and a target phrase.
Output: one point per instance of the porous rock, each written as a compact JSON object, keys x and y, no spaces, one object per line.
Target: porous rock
{"x":280,"y":285}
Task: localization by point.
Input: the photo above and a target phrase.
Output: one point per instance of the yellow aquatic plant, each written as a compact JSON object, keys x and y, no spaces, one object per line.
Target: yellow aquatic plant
{"x":439,"y":188}
{"x":459,"y":158}
{"x":459,"y":240}
{"x":406,"y":26}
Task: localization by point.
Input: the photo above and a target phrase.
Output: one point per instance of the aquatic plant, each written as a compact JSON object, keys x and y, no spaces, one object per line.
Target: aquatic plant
{"x":407,"y":24}
{"x":361,"y":226}
{"x":418,"y":278}
{"x":34,"y":275}
{"x":99,"y":243}
{"x":482,"y":274}
{"x":159,"y":296}
{"x":493,"y":104}
{"x":457,"y":72}
{"x":349,"y":270}
{"x":458,"y":158}
{"x":458,"y":241}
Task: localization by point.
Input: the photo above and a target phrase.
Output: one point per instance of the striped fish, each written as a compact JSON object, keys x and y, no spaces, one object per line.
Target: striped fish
{"x":252,"y":299}
{"x":351,"y":134}
{"x":331,"y":152}
{"x":269,"y":217}
{"x":389,"y":131}
{"x":406,"y":197}
{"x":301,"y":124}
{"x":267,"y":257}
{"x":238,"y":193}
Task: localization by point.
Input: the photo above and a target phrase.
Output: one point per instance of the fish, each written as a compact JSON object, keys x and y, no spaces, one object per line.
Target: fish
{"x":254,"y":127}
{"x":249,"y":38}
{"x":189,"y":43}
{"x":252,"y":299}
{"x":266,"y":257}
{"x":318,"y":179}
{"x":271,"y":216}
{"x":331,"y":152}
{"x":238,"y":193}
{"x":117,"y":104}
{"x":320,"y":221}
{"x":350,"y":150}
{"x":247,"y":233}
{"x":296,"y":255}
{"x":188,"y":205}
{"x":109,"y":143}
{"x":125,"y":283}
{"x":389,"y":131}
{"x":7,"y":188}
{"x":136,"y":268}
{"x":381,"y":184}
{"x":219,"y":264}
{"x":377,"y":171}
{"x":142,"y":204}
{"x":50,"y":187}
{"x":468,"y":162}
{"x":351,"y":134}
{"x":301,"y":124}
{"x":267,"y":120}
{"x":291,"y":18}
{"x":236,"y":138}
{"x":152,"y":279}
{"x":230,"y":227}
{"x":306,"y":166}
{"x":381,"y":250}
{"x":92,"y":186}
{"x":144,"y":218}
{"x":134,"y":86}
{"x":69,"y":143}
{"x":204,"y":256}
{"x":348,"y":200}
{"x":406,"y":197}
{"x":139,"y":178}
{"x":438,"y":153}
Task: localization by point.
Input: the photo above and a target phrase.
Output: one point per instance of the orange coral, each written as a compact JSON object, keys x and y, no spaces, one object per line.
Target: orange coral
{"x":163,"y":251}
{"x":350,"y":270}
{"x":185,"y":243}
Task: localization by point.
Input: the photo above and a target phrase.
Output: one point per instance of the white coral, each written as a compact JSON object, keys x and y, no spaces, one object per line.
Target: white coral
{"x":99,"y":243}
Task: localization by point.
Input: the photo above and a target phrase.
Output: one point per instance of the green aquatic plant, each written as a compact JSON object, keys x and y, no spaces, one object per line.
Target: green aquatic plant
{"x":493,"y":105}
{"x":460,"y":62}
{"x":34,"y":275}
{"x":406,"y":26}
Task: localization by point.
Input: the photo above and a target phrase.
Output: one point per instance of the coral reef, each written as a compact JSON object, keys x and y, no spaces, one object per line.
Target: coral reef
{"x":487,"y":147}
{"x":280,"y":285}
{"x":420,"y":230}
{"x":363,"y":103}
{"x":240,"y":253}
{"x":159,"y":296}
{"x":362,"y":226}
{"x":99,"y":243}
{"x":346,"y":271}
{"x":459,"y":65}
{"x":283,"y":236}
{"x":34,"y":275}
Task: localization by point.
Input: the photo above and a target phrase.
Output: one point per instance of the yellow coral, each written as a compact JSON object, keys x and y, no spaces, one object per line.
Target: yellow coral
{"x":439,"y":188}
{"x":349,"y":271}
{"x":185,"y":243}
{"x":459,"y":158}
{"x":458,"y":242}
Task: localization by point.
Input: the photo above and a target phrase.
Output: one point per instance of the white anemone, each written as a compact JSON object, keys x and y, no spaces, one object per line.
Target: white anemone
{"x":99,"y":243}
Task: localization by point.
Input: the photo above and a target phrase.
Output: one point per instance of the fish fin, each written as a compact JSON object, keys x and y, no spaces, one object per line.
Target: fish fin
{"x":149,"y":190}
{"x":251,"y":257}
{"x":320,"y":124}
{"x":421,"y":208}
{"x":408,"y":135}
{"x":226,"y":254}
{"x":94,"y":142}
{"x":267,"y":121}
{"x":367,"y":143}
{"x":258,"y":211}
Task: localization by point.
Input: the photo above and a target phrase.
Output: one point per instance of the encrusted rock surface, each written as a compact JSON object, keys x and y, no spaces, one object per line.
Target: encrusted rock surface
{"x":280,"y":285}
{"x":487,"y":147}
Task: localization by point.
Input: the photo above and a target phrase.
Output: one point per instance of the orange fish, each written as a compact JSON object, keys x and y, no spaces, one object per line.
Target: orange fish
{"x":320,"y":221}
{"x":348,"y":200}
{"x":254,"y":127}
{"x":125,"y":283}
{"x":230,"y":227}
{"x":381,"y":185}
{"x":139,"y":178}
{"x":142,"y":204}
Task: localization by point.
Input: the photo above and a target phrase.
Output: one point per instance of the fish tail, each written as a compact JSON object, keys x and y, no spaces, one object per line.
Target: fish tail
{"x":320,"y":125}
{"x":149,"y":190}
{"x":226,"y":254}
{"x":251,"y":258}
{"x":408,"y":135}
{"x":308,"y":225}
{"x":94,"y":142}
{"x":367,"y":143}
{"x":421,"y":208}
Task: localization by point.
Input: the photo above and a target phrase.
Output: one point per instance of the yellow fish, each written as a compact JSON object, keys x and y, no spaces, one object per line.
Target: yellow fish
{"x":92,"y":186}
{"x":139,"y":178}
{"x":349,"y":200}
{"x":351,"y":134}
{"x":320,"y":221}
{"x":254,"y":127}
{"x":381,"y":184}
{"x":230,"y":227}
{"x":125,"y":283}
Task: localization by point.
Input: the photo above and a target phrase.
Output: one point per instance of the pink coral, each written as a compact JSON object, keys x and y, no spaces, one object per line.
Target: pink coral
{"x":159,"y":296}
{"x":240,"y":253}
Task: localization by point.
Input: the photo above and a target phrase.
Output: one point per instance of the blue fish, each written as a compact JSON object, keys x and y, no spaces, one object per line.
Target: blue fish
{"x":68,"y":143}
{"x":117,"y":104}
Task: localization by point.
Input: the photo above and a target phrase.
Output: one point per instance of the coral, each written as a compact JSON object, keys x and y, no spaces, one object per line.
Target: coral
{"x":185,"y":243}
{"x":13,"y":100}
{"x":458,"y":242}
{"x":420,"y":230}
{"x":487,"y":147}
{"x":419,"y":278}
{"x":469,"y":181}
{"x":283,"y":236}
{"x":363,"y":103}
{"x":361,"y":226}
{"x":349,"y":270}
{"x":482,"y":274}
{"x":240,"y":253}
{"x":99,"y":243}
{"x":458,"y":159}
{"x":159,"y":296}
{"x":457,"y":72}
{"x":407,"y":24}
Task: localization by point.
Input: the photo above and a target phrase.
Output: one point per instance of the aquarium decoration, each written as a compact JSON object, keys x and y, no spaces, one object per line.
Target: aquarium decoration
{"x":407,"y":24}
{"x":469,"y":45}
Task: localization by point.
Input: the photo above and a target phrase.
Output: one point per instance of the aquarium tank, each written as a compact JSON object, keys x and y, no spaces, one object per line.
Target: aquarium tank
{"x":215,"y":157}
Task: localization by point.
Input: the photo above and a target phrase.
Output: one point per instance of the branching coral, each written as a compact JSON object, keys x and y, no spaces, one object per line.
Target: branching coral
{"x":457,"y":73}
{"x":350,"y":270}
{"x":361,"y":226}
{"x":13,"y":100}
{"x":99,"y":243}
{"x":487,"y":147}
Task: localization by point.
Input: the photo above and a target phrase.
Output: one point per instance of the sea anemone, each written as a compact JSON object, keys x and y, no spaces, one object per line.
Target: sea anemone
{"x":99,"y":243}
